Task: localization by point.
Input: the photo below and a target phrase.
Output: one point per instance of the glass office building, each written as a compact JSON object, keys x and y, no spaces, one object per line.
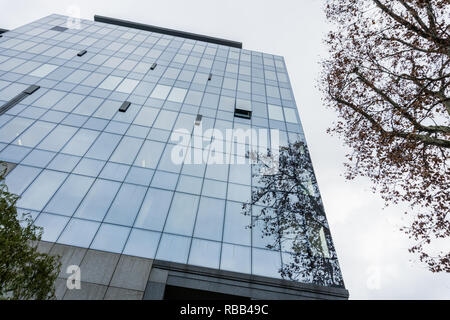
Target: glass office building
{"x":88,"y":116}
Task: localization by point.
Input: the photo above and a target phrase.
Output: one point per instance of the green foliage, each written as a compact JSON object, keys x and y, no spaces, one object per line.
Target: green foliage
{"x":25,"y":273}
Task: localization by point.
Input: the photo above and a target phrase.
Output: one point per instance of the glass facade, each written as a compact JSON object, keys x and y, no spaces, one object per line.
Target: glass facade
{"x":96,"y":177}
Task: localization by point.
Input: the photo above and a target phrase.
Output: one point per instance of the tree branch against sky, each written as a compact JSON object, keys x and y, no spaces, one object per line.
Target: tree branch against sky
{"x":388,"y":78}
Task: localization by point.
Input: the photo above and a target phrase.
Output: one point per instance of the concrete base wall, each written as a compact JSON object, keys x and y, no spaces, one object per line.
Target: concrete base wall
{"x":106,"y":275}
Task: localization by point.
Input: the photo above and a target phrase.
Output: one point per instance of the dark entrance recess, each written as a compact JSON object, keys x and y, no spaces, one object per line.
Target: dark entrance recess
{"x":180,"y":293}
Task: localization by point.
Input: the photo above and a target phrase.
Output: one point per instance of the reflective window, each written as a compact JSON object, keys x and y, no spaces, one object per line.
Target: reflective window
{"x":13,"y":128}
{"x":110,"y":238}
{"x":69,"y":196}
{"x":41,"y":190}
{"x":139,"y":176}
{"x":153,"y":212}
{"x":167,"y":162}
{"x":88,"y":106}
{"x":189,"y":184}
{"x":275,"y":113}
{"x":173,"y":248}
{"x":238,"y":192}
{"x":266,"y":263}
{"x":240,"y":173}
{"x":160,"y":92}
{"x":165,"y":120}
{"x":110,"y":83}
{"x":182,"y":214}
{"x":126,"y":150}
{"x":20,"y":178}
{"x":103,"y":146}
{"x":114,"y":171}
{"x":89,"y":167}
{"x":142,"y":243}
{"x":127,"y":85}
{"x":63,"y":162}
{"x":290,"y":115}
{"x":209,"y":221}
{"x":38,"y":158}
{"x":146,"y":117}
{"x":205,"y":253}
{"x":57,"y":138}
{"x":165,"y":180}
{"x":68,"y":103}
{"x":52,"y":224}
{"x":79,"y":233}
{"x":236,"y":225}
{"x":149,"y":154}
{"x":177,"y":95}
{"x":126,"y":205}
{"x":213,"y":188}
{"x":80,"y":142}
{"x":43,"y":70}
{"x":34,"y":134}
{"x":98,"y":200}
{"x":235,"y":258}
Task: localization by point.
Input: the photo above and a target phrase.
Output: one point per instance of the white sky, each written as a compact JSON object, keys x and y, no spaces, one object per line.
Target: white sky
{"x":372,"y":252}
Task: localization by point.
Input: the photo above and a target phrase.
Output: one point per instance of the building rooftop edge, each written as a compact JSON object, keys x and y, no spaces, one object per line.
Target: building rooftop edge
{"x":171,"y":32}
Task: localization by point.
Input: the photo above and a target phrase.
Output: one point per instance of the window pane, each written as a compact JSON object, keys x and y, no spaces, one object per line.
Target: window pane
{"x":110,"y":238}
{"x":52,"y":224}
{"x":165,"y":120}
{"x":127,"y":85}
{"x":165,"y":180}
{"x":140,"y":176}
{"x":69,"y":196}
{"x":98,"y":200}
{"x":240,"y":173}
{"x":57,"y":138}
{"x":41,"y":190}
{"x":189,"y":184}
{"x":160,"y":92}
{"x":177,"y":95}
{"x":182,"y":214}
{"x":43,"y":70}
{"x":238,"y":193}
{"x":103,"y":146}
{"x":79,"y":233}
{"x":173,"y":248}
{"x":126,"y":150}
{"x":20,"y":178}
{"x":110,"y":83}
{"x":80,"y":142}
{"x":275,"y":113}
{"x":13,"y":128}
{"x":114,"y":171}
{"x":205,"y":253}
{"x":149,"y":155}
{"x":142,"y":243}
{"x":290,"y":115}
{"x":213,"y":188}
{"x":34,"y":134}
{"x":153,"y":212}
{"x":89,"y":167}
{"x":126,"y":205}
{"x":235,"y":258}
{"x":266,"y":263}
{"x":146,"y":117}
{"x":209,"y":222}
{"x":235,"y":230}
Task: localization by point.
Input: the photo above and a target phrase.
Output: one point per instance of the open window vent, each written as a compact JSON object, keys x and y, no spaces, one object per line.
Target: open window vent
{"x":241,"y":113}
{"x":58,"y":28}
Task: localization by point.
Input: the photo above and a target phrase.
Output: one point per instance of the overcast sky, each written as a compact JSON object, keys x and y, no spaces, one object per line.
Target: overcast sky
{"x":372,"y":252}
